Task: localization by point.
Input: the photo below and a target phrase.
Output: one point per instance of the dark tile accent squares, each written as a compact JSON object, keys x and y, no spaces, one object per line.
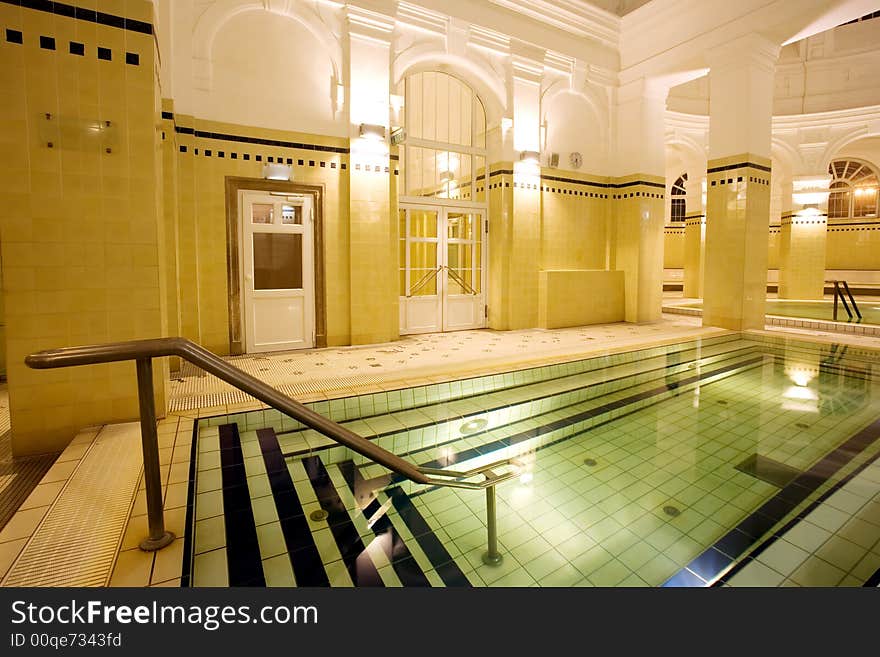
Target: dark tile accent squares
{"x":167,"y":115}
{"x":182,"y":148}
{"x":105,"y":54}
{"x":47,"y":43}
{"x":132,"y":58}
{"x":79,"y":13}
{"x":77,"y":48}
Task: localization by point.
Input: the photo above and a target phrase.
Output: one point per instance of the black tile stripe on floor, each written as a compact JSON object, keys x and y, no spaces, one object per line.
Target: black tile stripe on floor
{"x":357,"y":560}
{"x":737,"y":541}
{"x":408,"y":571}
{"x":308,"y":569}
{"x":873,"y":580}
{"x":188,"y":524}
{"x":432,"y":546}
{"x":243,"y":561}
{"x":529,"y":434}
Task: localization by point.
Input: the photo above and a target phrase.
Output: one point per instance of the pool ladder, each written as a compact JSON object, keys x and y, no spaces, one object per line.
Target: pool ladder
{"x":143,"y":352}
{"x":839,"y":288}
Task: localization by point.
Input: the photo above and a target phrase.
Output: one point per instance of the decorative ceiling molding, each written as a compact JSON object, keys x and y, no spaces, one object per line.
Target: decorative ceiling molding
{"x":574,"y":16}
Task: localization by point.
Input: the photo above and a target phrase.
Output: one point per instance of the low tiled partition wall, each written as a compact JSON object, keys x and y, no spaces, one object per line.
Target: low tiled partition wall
{"x":577,"y":297}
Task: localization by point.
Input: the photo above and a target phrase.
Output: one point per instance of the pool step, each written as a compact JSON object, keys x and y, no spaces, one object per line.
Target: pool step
{"x":266,"y":525}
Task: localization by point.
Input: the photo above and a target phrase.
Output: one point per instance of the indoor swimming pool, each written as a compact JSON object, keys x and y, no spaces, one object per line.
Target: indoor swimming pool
{"x":736,"y":460}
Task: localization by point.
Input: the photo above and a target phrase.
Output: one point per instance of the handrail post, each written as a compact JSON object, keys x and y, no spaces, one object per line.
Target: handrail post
{"x":491,"y":557}
{"x":835,"y":301}
{"x":852,"y":299}
{"x":158,"y":537}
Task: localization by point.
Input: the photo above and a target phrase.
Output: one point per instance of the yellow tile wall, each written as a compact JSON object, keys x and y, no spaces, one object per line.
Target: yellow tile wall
{"x":574,"y":220}
{"x":802,"y":257}
{"x":80,"y":226}
{"x":673,"y":247}
{"x":196,"y":192}
{"x":853,"y":246}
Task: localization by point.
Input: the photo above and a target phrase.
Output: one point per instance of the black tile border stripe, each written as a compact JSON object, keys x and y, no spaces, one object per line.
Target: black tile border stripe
{"x":308,"y":569}
{"x":243,"y":561}
{"x":528,"y":434}
{"x":81,"y":14}
{"x":408,"y":570}
{"x":739,"y":165}
{"x":573,"y":181}
{"x":433,"y":547}
{"x":188,"y":525}
{"x":201,"y":134}
{"x":357,"y":560}
{"x":873,"y":580}
{"x":760,"y":521}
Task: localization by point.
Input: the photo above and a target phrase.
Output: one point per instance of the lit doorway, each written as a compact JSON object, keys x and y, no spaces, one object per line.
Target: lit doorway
{"x":442,"y":276}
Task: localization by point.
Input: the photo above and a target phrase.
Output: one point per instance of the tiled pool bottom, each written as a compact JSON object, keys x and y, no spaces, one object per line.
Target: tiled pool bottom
{"x":636,"y":470}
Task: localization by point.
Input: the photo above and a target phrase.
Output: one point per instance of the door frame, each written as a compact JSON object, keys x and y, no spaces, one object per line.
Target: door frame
{"x":236,"y":184}
{"x":443,"y":209}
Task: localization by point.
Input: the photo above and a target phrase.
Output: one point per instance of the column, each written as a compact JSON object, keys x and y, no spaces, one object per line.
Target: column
{"x":515,"y":202}
{"x":637,"y":197}
{"x":738,"y":175}
{"x":695,"y":235}
{"x":372,"y":203}
{"x":802,"y":245}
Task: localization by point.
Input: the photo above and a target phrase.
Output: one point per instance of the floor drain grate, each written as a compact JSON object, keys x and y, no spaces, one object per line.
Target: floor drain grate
{"x":723,"y":402}
{"x":319,"y":515}
{"x":590,"y":462}
{"x":670,"y":510}
{"x":802,"y":425}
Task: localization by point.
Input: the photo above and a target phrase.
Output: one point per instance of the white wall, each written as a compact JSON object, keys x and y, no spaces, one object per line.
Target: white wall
{"x":270,"y":71}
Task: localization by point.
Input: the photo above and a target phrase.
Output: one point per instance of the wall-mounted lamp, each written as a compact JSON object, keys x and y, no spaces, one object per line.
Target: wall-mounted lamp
{"x":446,"y":176}
{"x":532,"y":157}
{"x":372,"y":131}
{"x":277,"y":172}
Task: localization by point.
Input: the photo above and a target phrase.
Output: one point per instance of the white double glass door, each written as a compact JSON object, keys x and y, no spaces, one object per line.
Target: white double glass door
{"x":442,"y":277}
{"x":278,"y":286}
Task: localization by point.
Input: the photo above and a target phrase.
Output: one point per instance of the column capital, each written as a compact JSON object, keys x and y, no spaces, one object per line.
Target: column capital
{"x":527,"y":62}
{"x":751,"y":50}
{"x":649,"y":89}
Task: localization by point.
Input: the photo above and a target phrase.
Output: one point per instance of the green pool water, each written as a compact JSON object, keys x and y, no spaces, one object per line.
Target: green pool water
{"x":634,"y":469}
{"x":823,"y":310}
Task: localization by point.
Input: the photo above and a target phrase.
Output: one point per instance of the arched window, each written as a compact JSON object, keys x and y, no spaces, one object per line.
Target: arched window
{"x":853,"y":190}
{"x":678,"y":202}
{"x":445,"y":145}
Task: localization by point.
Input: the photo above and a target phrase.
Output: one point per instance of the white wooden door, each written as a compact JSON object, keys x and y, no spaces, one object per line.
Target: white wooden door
{"x":278,"y":286}
{"x":442,"y":279}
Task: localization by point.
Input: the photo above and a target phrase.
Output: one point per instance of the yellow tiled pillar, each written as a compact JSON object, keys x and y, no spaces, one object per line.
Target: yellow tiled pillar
{"x":694,"y":254}
{"x":79,"y":213}
{"x":372,"y":212}
{"x":738,"y":177}
{"x":803,"y":240}
{"x":637,"y":198}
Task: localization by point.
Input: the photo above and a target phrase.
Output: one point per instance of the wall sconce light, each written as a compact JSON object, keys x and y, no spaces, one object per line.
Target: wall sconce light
{"x":372,"y":131}
{"x":532,"y":157}
{"x":277,"y":172}
{"x":446,"y":176}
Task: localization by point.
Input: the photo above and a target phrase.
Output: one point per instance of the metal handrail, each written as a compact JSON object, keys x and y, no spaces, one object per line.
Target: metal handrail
{"x":143,"y":351}
{"x":838,"y":293}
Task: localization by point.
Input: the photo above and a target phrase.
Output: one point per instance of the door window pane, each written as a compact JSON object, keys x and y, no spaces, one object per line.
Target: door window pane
{"x":278,"y":261}
{"x":423,"y":255}
{"x":422,"y":223}
{"x":292,"y":215}
{"x":422,"y":282}
{"x":262,"y":213}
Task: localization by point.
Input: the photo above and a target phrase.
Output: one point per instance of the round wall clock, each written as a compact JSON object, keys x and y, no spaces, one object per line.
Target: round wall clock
{"x":576,"y":160}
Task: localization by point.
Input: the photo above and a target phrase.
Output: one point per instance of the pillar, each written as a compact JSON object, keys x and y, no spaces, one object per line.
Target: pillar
{"x":738,"y":177}
{"x":694,"y":236}
{"x":372,"y":202}
{"x":515,"y":201}
{"x":80,"y":223}
{"x":637,"y":197}
{"x":802,"y":246}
